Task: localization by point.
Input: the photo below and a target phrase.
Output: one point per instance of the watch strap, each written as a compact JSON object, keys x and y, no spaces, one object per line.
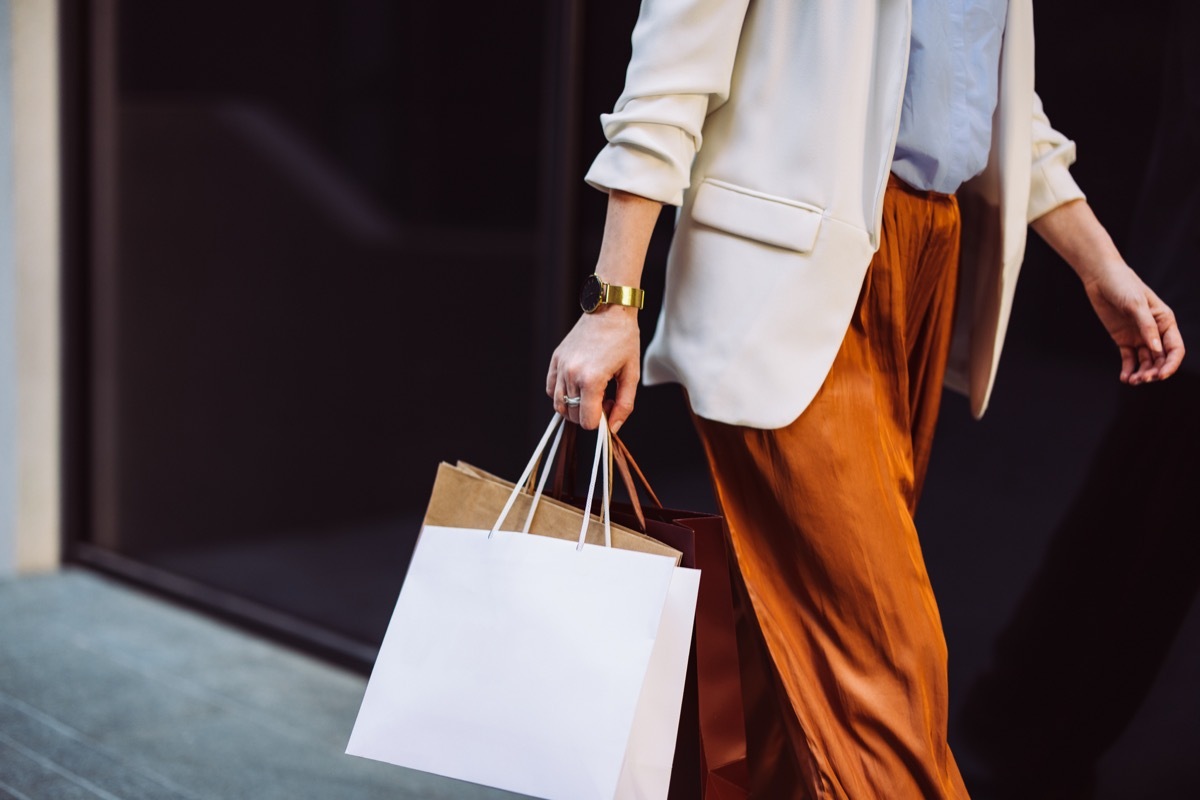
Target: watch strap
{"x":624,"y":296}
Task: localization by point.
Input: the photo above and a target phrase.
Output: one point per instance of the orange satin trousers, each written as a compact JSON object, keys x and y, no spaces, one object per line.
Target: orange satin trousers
{"x":843,"y":655}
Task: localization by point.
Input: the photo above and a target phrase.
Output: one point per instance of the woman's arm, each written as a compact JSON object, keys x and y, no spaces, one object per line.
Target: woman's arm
{"x":1141,"y":324}
{"x":606,"y":344}
{"x":679,"y":72}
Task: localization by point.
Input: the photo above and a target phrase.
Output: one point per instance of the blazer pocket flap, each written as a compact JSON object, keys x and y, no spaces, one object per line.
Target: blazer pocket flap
{"x":754,"y":215}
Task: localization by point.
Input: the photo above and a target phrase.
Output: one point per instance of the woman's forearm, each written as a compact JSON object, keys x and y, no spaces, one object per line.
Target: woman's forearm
{"x":1075,"y":234}
{"x":627,"y":229}
{"x":606,"y":345}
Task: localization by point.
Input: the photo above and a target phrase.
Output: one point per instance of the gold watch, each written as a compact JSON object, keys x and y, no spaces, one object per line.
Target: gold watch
{"x":596,"y":293}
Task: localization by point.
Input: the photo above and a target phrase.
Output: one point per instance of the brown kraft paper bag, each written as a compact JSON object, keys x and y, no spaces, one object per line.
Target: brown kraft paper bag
{"x":467,"y":497}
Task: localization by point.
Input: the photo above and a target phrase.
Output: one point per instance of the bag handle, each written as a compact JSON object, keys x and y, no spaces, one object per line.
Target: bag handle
{"x":529,"y":468}
{"x":624,"y":460}
{"x":564,"y":468}
{"x":556,"y":428}
{"x":602,"y":450}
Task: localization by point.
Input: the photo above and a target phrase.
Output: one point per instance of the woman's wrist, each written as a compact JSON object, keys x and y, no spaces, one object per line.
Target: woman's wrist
{"x":620,"y":275}
{"x":1094,"y":272}
{"x":1073,"y":231}
{"x":628,"y":226}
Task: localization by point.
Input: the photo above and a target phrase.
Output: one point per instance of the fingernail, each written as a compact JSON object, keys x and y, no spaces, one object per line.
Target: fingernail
{"x":616,"y":426}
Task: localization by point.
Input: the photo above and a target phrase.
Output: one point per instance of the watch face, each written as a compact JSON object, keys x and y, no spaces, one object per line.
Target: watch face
{"x":591,"y":294}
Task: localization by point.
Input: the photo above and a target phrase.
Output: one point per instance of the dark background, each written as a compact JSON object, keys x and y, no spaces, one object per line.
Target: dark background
{"x":317,"y":247}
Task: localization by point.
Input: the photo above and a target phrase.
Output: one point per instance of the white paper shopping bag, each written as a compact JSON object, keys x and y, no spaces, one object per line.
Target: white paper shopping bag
{"x":651,"y":750}
{"x":518,"y":661}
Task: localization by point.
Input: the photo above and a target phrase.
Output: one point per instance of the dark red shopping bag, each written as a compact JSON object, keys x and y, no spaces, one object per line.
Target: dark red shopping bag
{"x":710,"y":750}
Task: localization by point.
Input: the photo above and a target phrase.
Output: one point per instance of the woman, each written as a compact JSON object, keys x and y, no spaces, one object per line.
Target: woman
{"x":854,"y":180}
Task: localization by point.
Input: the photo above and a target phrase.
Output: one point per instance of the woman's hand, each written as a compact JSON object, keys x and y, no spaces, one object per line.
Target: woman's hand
{"x":602,"y":346}
{"x":1141,"y":324}
{"x":605,"y":344}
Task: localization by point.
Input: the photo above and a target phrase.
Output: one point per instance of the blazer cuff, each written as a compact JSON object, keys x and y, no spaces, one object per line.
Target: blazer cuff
{"x":638,"y":171}
{"x":652,"y":142}
{"x":1051,"y":183}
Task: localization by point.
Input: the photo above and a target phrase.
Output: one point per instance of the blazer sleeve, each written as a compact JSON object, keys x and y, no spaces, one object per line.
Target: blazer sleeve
{"x":1051,"y":183}
{"x":683,"y":54}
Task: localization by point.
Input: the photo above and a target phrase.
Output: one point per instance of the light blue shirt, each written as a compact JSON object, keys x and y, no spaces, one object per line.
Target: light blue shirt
{"x":950,"y":94}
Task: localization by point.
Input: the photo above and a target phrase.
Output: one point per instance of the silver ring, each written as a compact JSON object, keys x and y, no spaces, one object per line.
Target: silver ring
{"x":572,"y":401}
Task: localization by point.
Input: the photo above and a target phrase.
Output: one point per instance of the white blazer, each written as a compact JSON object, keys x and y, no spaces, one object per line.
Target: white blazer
{"x":772,"y":124}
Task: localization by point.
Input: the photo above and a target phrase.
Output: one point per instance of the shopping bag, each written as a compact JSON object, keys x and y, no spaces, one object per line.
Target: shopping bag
{"x":652,"y":761}
{"x":649,"y":768}
{"x":710,"y":759}
{"x":522,"y":661}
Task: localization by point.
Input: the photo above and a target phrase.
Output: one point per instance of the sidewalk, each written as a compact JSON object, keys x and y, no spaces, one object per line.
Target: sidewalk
{"x":109,"y":694}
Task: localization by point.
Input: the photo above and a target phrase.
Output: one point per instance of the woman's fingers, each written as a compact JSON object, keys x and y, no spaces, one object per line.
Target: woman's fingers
{"x":1148,"y":328}
{"x":560,"y":391}
{"x":1173,"y":344}
{"x":590,"y":389}
{"x":589,"y":386}
{"x":572,"y":392}
{"x":1128,"y":364}
{"x":1150,"y":347}
{"x":568,"y":385}
{"x":1141,"y":325}
{"x":1168,"y":330}
{"x":622,"y":407}
{"x":1145,"y":366}
{"x":591,"y":393}
{"x":1161,"y":350}
{"x":552,"y":378}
